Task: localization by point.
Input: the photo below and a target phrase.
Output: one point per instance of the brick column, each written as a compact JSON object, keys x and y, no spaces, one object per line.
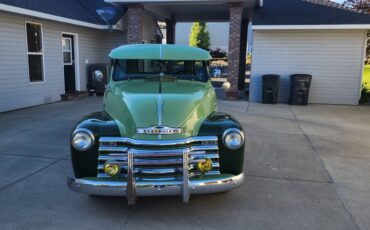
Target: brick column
{"x":170,"y":31}
{"x":135,"y":23}
{"x":236,"y":14}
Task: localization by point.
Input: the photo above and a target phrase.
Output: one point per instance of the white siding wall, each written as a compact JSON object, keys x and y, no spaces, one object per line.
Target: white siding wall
{"x":15,"y":90}
{"x":150,"y":29}
{"x":333,"y":57}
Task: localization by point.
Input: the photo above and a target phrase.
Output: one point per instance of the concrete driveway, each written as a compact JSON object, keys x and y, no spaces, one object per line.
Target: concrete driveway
{"x":307,"y":168}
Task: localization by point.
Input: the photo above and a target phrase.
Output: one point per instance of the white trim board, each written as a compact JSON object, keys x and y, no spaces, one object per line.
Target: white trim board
{"x":37,"y":14}
{"x":311,"y":27}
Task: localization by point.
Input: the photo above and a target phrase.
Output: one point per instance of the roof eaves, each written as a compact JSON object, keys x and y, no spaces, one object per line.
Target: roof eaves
{"x":18,"y":10}
{"x":92,"y":18}
{"x":306,"y":14}
{"x":335,"y":5}
{"x":312,"y":27}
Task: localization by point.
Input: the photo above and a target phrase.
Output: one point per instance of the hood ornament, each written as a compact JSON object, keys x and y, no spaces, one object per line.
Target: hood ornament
{"x":159,"y":130}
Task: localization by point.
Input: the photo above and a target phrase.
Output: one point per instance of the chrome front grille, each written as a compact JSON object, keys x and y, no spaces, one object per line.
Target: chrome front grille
{"x":158,"y":160}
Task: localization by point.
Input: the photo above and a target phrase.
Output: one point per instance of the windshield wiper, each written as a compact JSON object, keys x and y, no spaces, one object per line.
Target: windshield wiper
{"x":157,"y":76}
{"x":164,"y":78}
{"x":161,"y":78}
{"x":151,"y":77}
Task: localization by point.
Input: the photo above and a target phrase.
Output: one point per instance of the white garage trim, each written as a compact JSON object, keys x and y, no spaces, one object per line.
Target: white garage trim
{"x":312,"y":27}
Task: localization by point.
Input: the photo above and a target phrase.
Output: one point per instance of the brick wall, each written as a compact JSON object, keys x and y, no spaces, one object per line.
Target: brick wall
{"x":236,"y":13}
{"x":135,"y":24}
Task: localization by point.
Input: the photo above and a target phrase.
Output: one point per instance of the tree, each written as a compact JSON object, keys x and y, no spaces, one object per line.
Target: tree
{"x":363,"y":5}
{"x":199,"y":36}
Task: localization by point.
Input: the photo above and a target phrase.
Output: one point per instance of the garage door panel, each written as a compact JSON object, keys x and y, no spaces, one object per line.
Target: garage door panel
{"x":333,"y":57}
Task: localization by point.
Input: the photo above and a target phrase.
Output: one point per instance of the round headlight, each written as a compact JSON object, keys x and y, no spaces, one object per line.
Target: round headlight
{"x":82,"y":139}
{"x":233,"y":138}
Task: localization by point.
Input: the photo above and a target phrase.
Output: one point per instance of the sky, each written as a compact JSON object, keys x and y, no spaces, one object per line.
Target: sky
{"x":219,"y":38}
{"x":218,"y":32}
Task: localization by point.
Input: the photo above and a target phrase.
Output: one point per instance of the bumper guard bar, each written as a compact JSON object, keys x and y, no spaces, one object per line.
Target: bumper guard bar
{"x":109,"y":187}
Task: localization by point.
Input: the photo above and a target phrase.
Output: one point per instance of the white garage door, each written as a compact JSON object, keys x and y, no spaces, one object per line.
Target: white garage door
{"x":333,"y":57}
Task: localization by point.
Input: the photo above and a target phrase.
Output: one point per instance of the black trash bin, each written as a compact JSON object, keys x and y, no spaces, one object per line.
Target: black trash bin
{"x":299,"y":89}
{"x":98,"y":75}
{"x":270,"y":88}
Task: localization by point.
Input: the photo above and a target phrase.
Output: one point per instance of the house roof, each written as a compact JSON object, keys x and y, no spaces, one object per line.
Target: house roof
{"x":159,"y":52}
{"x":78,"y":10}
{"x":304,"y":12}
{"x":191,"y":10}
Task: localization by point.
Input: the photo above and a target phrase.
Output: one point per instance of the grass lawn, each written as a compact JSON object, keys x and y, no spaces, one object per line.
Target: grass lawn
{"x":366,"y":77}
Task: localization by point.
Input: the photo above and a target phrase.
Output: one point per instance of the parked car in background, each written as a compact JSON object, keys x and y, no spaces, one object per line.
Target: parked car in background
{"x":216,"y":73}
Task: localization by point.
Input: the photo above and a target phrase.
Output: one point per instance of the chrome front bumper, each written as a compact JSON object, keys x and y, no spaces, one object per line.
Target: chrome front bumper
{"x":108,"y":187}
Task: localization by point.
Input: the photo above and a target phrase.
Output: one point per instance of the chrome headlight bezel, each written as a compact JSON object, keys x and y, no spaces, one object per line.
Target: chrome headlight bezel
{"x":233,"y":131}
{"x":89,"y":137}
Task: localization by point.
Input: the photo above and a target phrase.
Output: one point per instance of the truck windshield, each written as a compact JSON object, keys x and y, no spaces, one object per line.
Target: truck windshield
{"x":136,"y":69}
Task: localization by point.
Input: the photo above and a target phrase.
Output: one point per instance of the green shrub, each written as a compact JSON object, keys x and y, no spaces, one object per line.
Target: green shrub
{"x":366,"y":78}
{"x":365,"y":96}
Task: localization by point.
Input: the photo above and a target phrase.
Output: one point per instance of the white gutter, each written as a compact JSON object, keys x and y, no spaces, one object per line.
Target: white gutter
{"x":174,"y":2}
{"x":18,"y":10}
{"x":260,"y":2}
{"x":312,"y":27}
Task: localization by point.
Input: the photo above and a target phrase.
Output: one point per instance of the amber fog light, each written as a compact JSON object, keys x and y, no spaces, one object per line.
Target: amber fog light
{"x":82,"y":139}
{"x":111,"y":169}
{"x":233,"y":138}
{"x":205,"y":165}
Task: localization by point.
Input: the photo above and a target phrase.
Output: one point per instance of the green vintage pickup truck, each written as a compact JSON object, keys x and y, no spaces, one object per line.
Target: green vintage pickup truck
{"x":159,"y":133}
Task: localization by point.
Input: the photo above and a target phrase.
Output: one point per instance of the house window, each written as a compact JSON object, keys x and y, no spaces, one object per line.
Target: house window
{"x":67,"y":51}
{"x":35,"y":52}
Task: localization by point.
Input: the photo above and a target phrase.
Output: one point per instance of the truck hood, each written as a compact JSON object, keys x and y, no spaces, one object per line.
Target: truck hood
{"x":139,"y":104}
